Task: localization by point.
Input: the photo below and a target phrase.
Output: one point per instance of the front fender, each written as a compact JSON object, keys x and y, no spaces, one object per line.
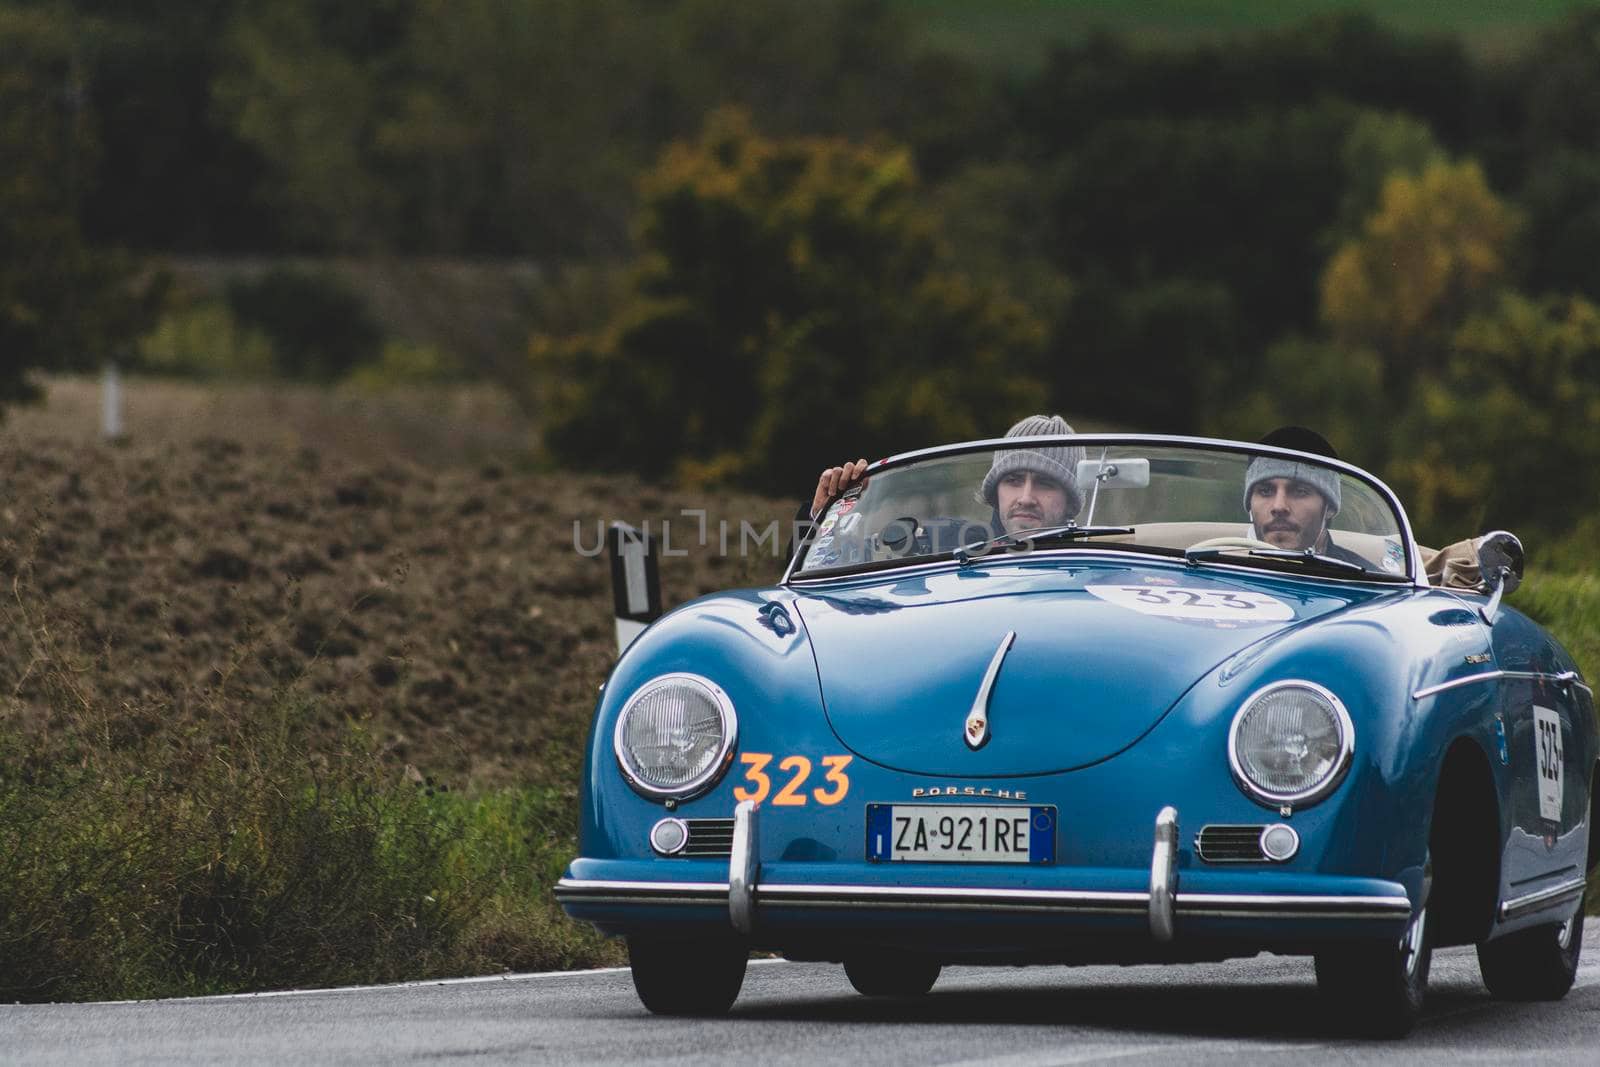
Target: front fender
{"x":1374,"y":658}
{"x":753,"y":644}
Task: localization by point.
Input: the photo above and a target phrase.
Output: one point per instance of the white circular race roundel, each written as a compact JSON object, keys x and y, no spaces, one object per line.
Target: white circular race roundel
{"x":1196,"y":605}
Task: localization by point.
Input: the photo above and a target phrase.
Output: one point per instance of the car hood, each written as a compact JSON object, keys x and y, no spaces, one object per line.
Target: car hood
{"x":1102,"y":652}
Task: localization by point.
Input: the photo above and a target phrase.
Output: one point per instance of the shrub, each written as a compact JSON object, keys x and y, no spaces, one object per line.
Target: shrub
{"x":319,"y":328}
{"x":206,"y":341}
{"x":404,"y":363}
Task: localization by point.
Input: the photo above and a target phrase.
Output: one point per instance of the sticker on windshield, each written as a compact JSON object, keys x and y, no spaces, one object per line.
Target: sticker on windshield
{"x":1197,"y":605}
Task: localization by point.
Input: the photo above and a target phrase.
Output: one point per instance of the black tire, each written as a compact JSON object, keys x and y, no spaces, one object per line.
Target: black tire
{"x":891,"y":975}
{"x":700,"y":977}
{"x":1377,"y":988}
{"x":1536,"y":964}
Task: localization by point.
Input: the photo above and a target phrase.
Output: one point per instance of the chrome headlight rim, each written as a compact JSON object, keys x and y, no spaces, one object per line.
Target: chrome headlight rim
{"x":1347,"y":747}
{"x":706,"y":779}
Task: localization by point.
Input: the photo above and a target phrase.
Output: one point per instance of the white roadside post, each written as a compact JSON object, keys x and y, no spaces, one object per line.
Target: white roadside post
{"x":111,"y":403}
{"x":635,"y":582}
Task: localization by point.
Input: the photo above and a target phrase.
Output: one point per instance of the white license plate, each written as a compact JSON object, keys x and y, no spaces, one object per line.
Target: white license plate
{"x":961,"y":833}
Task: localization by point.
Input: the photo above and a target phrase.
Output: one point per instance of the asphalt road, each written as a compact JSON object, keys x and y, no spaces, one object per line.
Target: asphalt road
{"x":1263,"y":1010}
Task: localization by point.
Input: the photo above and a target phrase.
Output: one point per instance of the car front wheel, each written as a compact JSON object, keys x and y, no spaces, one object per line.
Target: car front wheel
{"x":699,"y":977}
{"x":1379,"y":987}
{"x":891,"y":975}
{"x":1536,"y":964}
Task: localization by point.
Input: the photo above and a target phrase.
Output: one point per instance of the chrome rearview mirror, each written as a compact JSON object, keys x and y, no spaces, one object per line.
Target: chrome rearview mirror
{"x":1114,"y":473}
{"x":1500,"y":561}
{"x":1125,"y":473}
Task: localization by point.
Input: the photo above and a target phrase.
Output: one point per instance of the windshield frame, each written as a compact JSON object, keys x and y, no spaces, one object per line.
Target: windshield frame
{"x":1414,"y":574}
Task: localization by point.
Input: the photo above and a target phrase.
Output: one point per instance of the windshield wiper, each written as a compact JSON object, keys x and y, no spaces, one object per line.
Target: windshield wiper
{"x":1070,"y":532}
{"x":1195,"y":555}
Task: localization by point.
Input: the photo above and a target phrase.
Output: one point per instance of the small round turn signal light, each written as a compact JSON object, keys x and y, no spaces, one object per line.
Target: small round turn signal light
{"x":1279,"y":842}
{"x":669,"y":836}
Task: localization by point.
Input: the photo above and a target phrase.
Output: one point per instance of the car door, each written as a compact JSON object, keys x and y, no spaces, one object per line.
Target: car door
{"x":1546,"y":800}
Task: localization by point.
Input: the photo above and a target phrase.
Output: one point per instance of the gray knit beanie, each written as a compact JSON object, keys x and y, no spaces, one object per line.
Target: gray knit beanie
{"x":1059,"y":461}
{"x":1322,"y":479}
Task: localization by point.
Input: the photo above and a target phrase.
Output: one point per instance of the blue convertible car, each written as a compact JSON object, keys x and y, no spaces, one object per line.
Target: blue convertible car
{"x":1175,"y":719}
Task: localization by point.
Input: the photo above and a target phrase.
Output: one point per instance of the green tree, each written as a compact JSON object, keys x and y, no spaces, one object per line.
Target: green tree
{"x":182,"y":180}
{"x":1437,"y":249}
{"x":1562,"y":202}
{"x":1236,"y":201}
{"x":309,"y":98}
{"x":63,"y":305}
{"x":1161,"y":356}
{"x":1380,"y":145}
{"x":1558,"y":86}
{"x":793,"y":303}
{"x":1502,"y":437}
{"x":1312,"y":382}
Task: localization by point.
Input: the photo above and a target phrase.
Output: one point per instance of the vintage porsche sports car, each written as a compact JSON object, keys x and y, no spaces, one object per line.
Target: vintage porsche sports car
{"x":1145,"y":732}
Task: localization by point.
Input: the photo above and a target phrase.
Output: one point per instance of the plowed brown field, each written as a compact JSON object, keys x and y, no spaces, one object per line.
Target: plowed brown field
{"x":445,"y":605}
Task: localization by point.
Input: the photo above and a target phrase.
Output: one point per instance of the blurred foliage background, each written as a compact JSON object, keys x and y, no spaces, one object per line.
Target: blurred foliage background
{"x":728,"y":241}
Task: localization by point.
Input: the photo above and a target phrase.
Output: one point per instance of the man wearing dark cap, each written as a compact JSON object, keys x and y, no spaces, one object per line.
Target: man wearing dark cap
{"x":1291,"y":502}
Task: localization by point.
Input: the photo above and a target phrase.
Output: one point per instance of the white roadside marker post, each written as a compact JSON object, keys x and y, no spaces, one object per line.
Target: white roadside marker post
{"x":111,"y":403}
{"x":635,"y":582}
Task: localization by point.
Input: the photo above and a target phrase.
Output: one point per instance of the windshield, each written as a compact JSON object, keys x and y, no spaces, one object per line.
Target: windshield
{"x":1235,"y":505}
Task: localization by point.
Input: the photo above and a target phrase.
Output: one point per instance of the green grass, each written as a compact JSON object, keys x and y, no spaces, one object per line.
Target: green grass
{"x":211,"y":861}
{"x":1019,"y":33}
{"x":1569,"y":605}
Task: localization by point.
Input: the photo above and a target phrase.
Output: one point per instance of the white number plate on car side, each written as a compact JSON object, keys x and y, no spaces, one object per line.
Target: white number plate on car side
{"x":961,"y":833}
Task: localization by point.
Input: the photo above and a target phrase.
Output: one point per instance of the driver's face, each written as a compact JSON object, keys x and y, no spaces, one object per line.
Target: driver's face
{"x":1288,"y":513}
{"x":1028,"y":500}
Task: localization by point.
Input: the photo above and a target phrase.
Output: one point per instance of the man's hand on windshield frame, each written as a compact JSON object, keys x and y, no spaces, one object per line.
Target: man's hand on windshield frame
{"x":834,"y":482}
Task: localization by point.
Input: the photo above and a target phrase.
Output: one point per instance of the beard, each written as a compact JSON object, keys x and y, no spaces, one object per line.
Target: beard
{"x":1282,"y":533}
{"x":1018,"y":519}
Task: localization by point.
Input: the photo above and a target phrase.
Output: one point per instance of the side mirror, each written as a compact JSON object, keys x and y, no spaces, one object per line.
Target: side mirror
{"x":1500,"y":562}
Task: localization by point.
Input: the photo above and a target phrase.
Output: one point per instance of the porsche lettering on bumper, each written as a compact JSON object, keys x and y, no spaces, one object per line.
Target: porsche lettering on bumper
{"x":969,"y":791}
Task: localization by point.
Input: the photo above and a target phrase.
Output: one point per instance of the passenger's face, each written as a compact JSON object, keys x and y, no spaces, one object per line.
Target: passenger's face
{"x":1028,"y":500}
{"x":1288,"y":513}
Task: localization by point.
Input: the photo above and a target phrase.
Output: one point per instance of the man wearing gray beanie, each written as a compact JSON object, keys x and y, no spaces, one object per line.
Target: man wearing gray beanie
{"x":1028,"y":488}
{"x":1031,"y":488}
{"x":1291,"y":502}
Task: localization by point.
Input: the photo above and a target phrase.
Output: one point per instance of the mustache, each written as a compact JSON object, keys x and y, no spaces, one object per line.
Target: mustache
{"x":1283,"y":526}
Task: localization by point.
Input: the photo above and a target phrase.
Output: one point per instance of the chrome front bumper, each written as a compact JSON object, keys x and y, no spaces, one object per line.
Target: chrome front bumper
{"x":1162,"y":906}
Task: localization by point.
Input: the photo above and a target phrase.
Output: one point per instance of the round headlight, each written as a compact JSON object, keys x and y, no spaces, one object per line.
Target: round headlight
{"x":1290,"y":744}
{"x":675,"y":735}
